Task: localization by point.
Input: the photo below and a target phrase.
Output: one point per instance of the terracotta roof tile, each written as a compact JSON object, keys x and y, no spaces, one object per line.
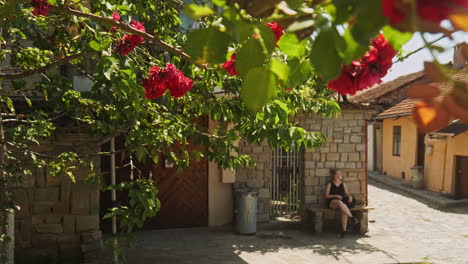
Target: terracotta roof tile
{"x":378,"y":91}
{"x":405,"y":107}
{"x":401,"y":109}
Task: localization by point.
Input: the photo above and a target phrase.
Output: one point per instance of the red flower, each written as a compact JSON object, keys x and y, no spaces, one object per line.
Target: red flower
{"x":125,"y":46}
{"x":398,"y":11}
{"x":41,"y":7}
{"x":366,"y":72}
{"x":169,"y":78}
{"x":230,"y":65}
{"x":116,"y":17}
{"x":137,"y":40}
{"x":176,"y":82}
{"x":277,"y":30}
{"x":128,"y":43}
{"x":154,"y":85}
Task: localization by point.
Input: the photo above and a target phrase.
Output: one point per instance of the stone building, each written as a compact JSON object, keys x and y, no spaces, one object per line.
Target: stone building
{"x":345,"y":149}
{"x":61,"y":221}
{"x":58,"y":220}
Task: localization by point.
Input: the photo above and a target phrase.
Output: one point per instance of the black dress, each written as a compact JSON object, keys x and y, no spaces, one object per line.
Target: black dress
{"x":339,"y":190}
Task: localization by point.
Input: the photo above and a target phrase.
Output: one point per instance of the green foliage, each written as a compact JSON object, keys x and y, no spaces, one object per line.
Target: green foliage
{"x":291,"y":45}
{"x":250,"y":56}
{"x":259,"y":88}
{"x":207,"y":45}
{"x":143,"y":204}
{"x":325,"y":56}
{"x":195,"y":11}
{"x":369,"y":21}
{"x":396,"y":38}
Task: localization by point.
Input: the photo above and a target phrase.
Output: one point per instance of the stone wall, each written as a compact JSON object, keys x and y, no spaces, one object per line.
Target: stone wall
{"x":58,"y":220}
{"x":345,"y":150}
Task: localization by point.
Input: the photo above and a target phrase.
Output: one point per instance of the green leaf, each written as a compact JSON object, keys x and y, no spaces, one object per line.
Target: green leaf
{"x":280,"y":68}
{"x":300,"y":71}
{"x":95,"y":45}
{"x":396,"y":38}
{"x":258,"y":88}
{"x":266,"y":37}
{"x":294,"y":4}
{"x":344,"y":9}
{"x":249,"y":56}
{"x":219,"y":3}
{"x":325,"y":57}
{"x":351,"y":49}
{"x":369,"y":21}
{"x":28,"y":101}
{"x":207,"y":45}
{"x":290,"y":45}
{"x":242,"y":30}
{"x":195,"y":11}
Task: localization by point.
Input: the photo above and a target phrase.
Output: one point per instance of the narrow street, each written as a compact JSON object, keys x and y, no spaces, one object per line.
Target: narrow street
{"x":402,"y":230}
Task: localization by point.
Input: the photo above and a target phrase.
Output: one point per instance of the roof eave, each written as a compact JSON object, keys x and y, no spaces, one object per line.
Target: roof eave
{"x":392,"y":115}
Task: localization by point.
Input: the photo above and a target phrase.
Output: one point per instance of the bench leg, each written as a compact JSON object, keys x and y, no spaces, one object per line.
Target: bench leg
{"x":364,"y":223}
{"x":318,"y":222}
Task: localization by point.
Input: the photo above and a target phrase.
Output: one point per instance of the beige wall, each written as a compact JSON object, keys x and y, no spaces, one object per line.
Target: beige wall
{"x":220,"y":204}
{"x":220,"y":200}
{"x":395,"y":165}
{"x":439,"y":171}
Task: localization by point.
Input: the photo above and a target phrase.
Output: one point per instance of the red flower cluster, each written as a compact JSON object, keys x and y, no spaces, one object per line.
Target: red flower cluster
{"x":369,"y":70}
{"x":116,"y":17}
{"x":277,"y":30}
{"x":398,"y":11}
{"x":169,"y":78}
{"x":41,"y":7}
{"x":128,"y":43}
{"x":230,"y":65}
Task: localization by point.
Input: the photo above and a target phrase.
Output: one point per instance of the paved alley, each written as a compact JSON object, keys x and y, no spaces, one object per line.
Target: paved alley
{"x":402,"y":230}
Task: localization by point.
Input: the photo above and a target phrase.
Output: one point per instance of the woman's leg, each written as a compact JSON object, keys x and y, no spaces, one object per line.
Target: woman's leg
{"x":344,"y":210}
{"x":344,"y":221}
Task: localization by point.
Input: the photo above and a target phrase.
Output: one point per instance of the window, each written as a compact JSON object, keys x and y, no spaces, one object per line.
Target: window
{"x":396,"y":140}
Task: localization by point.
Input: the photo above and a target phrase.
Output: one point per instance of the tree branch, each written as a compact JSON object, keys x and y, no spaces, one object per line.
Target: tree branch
{"x":150,"y":38}
{"x":419,"y":49}
{"x":19,"y":75}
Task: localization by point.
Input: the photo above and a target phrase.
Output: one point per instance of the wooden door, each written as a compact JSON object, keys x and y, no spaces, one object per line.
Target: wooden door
{"x":461,"y":174}
{"x":183,"y":196}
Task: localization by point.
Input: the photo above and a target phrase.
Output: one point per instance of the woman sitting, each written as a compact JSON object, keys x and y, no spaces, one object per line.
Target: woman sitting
{"x":338,"y":198}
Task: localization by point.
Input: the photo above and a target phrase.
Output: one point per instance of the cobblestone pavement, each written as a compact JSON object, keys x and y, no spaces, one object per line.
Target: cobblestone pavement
{"x":403,"y":230}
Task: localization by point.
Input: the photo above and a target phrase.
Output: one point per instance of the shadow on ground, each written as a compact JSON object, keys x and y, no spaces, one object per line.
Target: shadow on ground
{"x":221,"y":245}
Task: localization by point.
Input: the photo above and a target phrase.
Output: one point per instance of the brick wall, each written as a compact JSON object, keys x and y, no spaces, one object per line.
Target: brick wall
{"x":344,"y":150}
{"x":58,"y":220}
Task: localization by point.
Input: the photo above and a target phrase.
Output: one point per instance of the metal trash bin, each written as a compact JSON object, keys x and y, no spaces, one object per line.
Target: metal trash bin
{"x":246,"y":212}
{"x":417,"y":180}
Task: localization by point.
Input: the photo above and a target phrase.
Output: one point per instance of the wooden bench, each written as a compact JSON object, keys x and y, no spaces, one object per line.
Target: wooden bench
{"x":316,"y":219}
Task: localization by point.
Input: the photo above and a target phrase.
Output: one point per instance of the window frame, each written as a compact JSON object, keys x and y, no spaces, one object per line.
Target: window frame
{"x":396,"y":141}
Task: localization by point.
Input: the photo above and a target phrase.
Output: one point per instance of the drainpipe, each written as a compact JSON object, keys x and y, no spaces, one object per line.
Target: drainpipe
{"x":445,"y":160}
{"x":365,"y":164}
{"x":113,"y":197}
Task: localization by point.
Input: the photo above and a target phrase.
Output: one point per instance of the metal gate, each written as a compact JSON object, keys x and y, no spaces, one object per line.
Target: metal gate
{"x":286,"y":182}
